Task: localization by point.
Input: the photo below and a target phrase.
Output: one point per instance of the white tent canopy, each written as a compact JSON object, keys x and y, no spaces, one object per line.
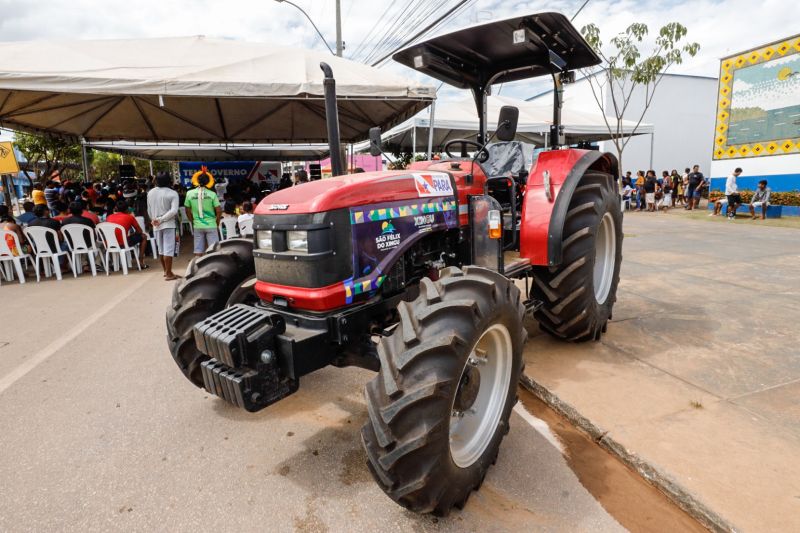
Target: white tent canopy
{"x":193,"y":89}
{"x":215,"y":152}
{"x":458,"y":119}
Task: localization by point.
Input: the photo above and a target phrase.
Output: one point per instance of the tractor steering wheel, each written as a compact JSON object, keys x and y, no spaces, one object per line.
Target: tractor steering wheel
{"x":481,"y":156}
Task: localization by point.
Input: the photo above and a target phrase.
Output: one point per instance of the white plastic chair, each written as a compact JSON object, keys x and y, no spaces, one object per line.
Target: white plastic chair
{"x":17,"y":262}
{"x":108,"y":235}
{"x":184,"y":220}
{"x":37,"y":236}
{"x":246,"y":228}
{"x":75,"y":235}
{"x":227,"y":228}
{"x":149,"y":236}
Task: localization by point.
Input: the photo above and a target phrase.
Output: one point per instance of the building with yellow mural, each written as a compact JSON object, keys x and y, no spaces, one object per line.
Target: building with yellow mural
{"x":758,"y":118}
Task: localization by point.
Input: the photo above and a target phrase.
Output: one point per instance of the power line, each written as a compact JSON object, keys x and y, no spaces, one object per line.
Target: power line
{"x":579,"y":10}
{"x":423,"y":31}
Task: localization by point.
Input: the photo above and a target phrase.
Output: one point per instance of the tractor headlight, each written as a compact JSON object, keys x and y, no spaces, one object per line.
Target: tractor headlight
{"x":297,"y":241}
{"x":264,"y":239}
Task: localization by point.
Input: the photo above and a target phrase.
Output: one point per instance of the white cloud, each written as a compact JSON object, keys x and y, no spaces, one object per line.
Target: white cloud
{"x":721,"y":27}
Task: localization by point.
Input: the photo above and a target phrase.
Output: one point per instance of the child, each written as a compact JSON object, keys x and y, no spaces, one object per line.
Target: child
{"x":245,"y":220}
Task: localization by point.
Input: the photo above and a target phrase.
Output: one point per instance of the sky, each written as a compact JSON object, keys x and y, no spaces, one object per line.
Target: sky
{"x":721,"y":27}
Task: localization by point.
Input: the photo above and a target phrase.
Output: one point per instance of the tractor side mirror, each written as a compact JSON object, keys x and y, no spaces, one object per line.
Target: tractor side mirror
{"x":507,"y":123}
{"x":375,"y":141}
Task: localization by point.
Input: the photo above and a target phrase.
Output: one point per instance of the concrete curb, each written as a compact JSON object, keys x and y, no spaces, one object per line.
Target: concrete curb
{"x":652,"y":474}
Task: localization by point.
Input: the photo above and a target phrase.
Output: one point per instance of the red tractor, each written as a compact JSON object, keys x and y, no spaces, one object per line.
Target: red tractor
{"x":412,"y":273}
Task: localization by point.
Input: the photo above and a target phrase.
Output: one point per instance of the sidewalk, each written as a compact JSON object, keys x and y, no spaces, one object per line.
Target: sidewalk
{"x":697,"y":382}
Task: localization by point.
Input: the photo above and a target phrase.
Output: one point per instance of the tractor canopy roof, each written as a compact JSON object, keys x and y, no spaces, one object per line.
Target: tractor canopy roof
{"x":501,"y":51}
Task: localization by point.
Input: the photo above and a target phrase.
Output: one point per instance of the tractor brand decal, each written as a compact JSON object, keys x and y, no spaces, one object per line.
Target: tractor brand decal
{"x":434,"y":184}
{"x":278,"y":207}
{"x":381,"y":233}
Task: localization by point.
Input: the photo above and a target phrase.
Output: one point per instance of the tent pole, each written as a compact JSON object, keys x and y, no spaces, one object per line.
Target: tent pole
{"x":85,"y":160}
{"x":652,"y":139}
{"x":413,"y":141}
{"x":151,"y":167}
{"x":430,"y":131}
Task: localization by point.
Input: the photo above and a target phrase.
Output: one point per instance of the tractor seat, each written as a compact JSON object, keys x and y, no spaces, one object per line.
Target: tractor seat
{"x":506,"y":161}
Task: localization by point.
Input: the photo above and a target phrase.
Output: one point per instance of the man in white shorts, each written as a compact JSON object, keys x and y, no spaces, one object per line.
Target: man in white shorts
{"x":162,"y":207}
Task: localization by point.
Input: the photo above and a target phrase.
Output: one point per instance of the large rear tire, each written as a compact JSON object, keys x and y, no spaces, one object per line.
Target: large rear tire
{"x":579,"y":294}
{"x":440,"y":405}
{"x":222,"y":277}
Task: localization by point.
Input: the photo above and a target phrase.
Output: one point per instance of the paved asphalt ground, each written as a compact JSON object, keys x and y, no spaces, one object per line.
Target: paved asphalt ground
{"x":100,"y":432}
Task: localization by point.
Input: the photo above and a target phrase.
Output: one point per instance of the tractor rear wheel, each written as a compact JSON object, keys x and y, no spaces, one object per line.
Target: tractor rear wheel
{"x":223,"y":277}
{"x":579,"y":294}
{"x":440,"y":405}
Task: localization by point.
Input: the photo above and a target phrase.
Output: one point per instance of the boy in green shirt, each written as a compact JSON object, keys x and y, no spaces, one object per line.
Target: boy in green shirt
{"x":203,"y":211}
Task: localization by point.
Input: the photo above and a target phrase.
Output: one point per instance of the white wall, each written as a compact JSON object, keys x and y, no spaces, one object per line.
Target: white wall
{"x":682,"y":114}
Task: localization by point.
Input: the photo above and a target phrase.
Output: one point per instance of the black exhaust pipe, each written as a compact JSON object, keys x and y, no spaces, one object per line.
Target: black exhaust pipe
{"x":332,"y":118}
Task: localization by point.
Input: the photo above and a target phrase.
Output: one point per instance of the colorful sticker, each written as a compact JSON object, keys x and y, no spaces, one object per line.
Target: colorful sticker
{"x":433,"y":184}
{"x":382,"y":232}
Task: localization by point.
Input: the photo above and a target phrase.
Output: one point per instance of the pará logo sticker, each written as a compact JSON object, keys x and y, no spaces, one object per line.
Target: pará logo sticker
{"x":435,"y":184}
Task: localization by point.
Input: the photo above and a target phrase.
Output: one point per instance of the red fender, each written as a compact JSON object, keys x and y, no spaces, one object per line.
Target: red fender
{"x":546,"y":201}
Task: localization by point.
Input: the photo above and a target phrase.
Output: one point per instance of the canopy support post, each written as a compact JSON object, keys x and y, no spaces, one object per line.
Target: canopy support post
{"x":413,"y":142}
{"x":85,"y":161}
{"x":430,"y":131}
{"x":151,"y":167}
{"x":652,"y":142}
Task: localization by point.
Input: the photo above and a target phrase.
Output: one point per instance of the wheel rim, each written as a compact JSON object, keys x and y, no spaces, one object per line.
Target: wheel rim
{"x":244,"y":293}
{"x":472,"y":429}
{"x":604,"y":257}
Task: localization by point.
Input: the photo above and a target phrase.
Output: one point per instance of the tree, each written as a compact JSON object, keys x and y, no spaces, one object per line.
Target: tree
{"x":105,"y":165}
{"x":47,"y":154}
{"x":629,"y":64}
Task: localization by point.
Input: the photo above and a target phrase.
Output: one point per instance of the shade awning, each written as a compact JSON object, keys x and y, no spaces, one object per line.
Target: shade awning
{"x":487,"y":52}
{"x":215,"y":152}
{"x":458,"y":119}
{"x":193,"y":89}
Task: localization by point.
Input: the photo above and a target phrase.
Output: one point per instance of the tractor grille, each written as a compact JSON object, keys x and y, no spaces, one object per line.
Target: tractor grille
{"x":331,"y":262}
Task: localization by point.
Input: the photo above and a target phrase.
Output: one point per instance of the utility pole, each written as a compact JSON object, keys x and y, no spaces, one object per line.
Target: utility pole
{"x":339,"y":46}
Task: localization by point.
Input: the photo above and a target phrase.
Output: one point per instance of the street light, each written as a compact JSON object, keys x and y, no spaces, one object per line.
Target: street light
{"x":311,"y":21}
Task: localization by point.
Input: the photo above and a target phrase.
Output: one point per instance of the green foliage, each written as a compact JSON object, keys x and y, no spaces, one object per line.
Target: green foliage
{"x":105,"y":165}
{"x":48,"y":154}
{"x":632,"y":61}
{"x":403,"y":159}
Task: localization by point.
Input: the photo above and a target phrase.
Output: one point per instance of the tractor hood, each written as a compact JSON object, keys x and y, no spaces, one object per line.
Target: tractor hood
{"x":356,"y":190}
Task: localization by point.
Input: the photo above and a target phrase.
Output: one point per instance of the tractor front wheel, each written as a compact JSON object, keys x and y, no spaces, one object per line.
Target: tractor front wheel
{"x":578,"y":295}
{"x":440,"y":405}
{"x":224,"y":276}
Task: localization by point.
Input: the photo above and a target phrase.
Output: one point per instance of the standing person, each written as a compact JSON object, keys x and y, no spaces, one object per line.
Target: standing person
{"x":122,"y":217}
{"x":245,"y":217}
{"x":732,"y":193}
{"x":51,"y":195}
{"x":640,"y":190}
{"x":666,"y":190}
{"x":677,"y":191}
{"x":696,"y":182}
{"x":162,"y":208}
{"x":203,"y":211}
{"x":286,"y":181}
{"x":650,"y":188}
{"x":760,"y":198}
